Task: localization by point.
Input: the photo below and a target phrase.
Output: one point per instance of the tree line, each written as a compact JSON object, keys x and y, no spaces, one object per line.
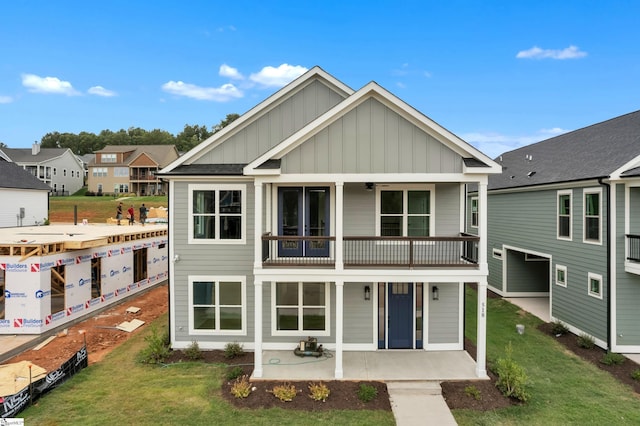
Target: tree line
{"x":87,"y":142}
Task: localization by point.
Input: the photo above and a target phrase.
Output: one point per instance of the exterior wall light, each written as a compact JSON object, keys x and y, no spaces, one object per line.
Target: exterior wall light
{"x":435,"y":294}
{"x":367,"y":292}
{"x":369,"y":186}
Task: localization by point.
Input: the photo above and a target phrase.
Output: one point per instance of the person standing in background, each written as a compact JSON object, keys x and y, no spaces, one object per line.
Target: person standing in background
{"x":119,"y":213}
{"x":132,"y":217}
{"x":143,"y":214}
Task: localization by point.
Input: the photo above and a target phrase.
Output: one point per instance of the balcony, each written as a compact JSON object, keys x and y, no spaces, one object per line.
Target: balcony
{"x":360,"y":252}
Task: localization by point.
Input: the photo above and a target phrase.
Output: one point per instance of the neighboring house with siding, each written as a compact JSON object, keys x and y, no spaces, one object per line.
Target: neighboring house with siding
{"x":564,"y":222}
{"x":123,"y":169}
{"x":25,"y":199}
{"x":331,"y":213}
{"x":57,"y":167}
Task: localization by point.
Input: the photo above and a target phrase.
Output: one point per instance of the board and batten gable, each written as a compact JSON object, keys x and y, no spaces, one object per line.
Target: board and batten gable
{"x":371,"y":138}
{"x":526,"y":221}
{"x":280,"y":122}
{"x":209,"y":260}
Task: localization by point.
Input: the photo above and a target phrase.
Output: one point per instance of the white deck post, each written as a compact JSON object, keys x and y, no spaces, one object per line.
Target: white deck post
{"x":339,"y":373}
{"x":257,"y":354}
{"x":257,"y":232}
{"x":481,"y":336}
{"x":339,"y":248}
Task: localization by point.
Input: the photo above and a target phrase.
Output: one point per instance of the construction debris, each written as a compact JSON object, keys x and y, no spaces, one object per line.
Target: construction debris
{"x":132,"y":310}
{"x":45,"y":343}
{"x":129,"y":326}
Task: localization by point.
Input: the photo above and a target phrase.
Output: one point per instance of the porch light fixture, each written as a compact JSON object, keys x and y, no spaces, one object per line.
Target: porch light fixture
{"x":435,"y":295}
{"x":369,"y":186}
{"x":367,"y":292}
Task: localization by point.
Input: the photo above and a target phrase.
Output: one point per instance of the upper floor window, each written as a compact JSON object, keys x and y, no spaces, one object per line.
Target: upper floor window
{"x":564,"y":215}
{"x":217,"y":213}
{"x":405,"y":212}
{"x":474,"y":212}
{"x":99,"y":171}
{"x":64,"y":172}
{"x":120,"y":171}
{"x":592,"y":214}
{"x":107,"y":158}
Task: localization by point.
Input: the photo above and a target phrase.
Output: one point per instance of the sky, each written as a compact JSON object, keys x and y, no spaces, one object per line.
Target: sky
{"x":499,"y":74}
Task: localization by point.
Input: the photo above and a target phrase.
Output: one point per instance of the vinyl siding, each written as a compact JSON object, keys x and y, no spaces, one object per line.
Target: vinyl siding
{"x":208,"y":259}
{"x":274,"y":126}
{"x":358,"y":313}
{"x":372,"y":138}
{"x":527,"y":221}
{"x":526,"y":276}
{"x":444,"y":313}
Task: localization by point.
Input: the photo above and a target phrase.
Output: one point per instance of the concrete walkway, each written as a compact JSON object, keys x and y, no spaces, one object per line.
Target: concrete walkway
{"x":419,"y":403}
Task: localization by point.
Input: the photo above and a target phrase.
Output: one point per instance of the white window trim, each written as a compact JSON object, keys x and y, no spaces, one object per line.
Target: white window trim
{"x":570,"y":194}
{"x":300,"y":332}
{"x":592,"y":276}
{"x":477,"y":211}
{"x":212,"y":278}
{"x":497,"y":253}
{"x":563,"y":269}
{"x":404,"y":188}
{"x":584,"y":221}
{"x":217,"y":187}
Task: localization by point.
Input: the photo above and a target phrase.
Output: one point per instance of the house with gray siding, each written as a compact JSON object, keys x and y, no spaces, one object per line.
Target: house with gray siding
{"x":564,"y":223}
{"x":25,"y":199}
{"x":332,"y":213}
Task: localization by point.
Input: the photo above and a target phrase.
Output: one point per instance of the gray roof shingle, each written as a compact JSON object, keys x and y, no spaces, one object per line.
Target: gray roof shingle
{"x":588,"y":153}
{"x":14,"y":176}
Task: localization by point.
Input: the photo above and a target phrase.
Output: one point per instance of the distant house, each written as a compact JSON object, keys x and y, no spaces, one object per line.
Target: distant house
{"x":57,"y":167}
{"x":331,"y":213}
{"x":129,"y":169}
{"x":25,"y":199}
{"x":564,"y":223}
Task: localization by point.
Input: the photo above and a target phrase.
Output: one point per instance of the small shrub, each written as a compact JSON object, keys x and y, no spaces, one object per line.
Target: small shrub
{"x":241,"y":387}
{"x":636,"y":374}
{"x":193,"y":352}
{"x":232,"y":350}
{"x":473,"y":392}
{"x":234,"y":373}
{"x":585,"y":341}
{"x":512,"y":379}
{"x":319,"y":391}
{"x":367,"y":392}
{"x":612,"y":358}
{"x":284,"y":392}
{"x":157,"y":349}
{"x":558,"y":328}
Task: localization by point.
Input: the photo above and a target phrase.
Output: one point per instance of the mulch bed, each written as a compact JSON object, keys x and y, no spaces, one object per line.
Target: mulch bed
{"x":343,"y":393}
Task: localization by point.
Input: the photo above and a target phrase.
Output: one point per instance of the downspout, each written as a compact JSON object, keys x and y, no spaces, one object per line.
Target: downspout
{"x":608,"y":187}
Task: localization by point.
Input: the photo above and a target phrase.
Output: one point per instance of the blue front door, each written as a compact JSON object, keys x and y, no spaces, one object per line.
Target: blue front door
{"x":303,"y":212}
{"x":400,"y":320}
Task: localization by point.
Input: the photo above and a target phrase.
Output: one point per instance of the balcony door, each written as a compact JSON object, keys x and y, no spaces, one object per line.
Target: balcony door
{"x":303,"y":211}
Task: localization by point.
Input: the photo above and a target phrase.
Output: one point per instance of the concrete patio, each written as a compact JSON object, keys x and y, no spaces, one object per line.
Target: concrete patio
{"x":379,"y":365}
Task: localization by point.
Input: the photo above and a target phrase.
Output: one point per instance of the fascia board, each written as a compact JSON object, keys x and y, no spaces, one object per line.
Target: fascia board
{"x":629,"y":165}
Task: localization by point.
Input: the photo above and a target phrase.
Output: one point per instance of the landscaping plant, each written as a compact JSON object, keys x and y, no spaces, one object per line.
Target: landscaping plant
{"x":319,"y":391}
{"x":284,"y":392}
{"x":367,"y":392}
{"x":193,"y":352}
{"x":232,"y":350}
{"x":241,"y":387}
{"x":512,"y":379}
{"x":586,"y":341}
{"x":234,"y":373}
{"x":157,"y":349}
{"x":612,"y":358}
{"x":473,"y":392}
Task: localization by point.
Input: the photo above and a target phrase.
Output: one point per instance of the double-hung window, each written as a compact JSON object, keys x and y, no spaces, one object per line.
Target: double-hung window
{"x":216,"y":213}
{"x":217,"y":305}
{"x":474,"y":212}
{"x":564,"y":215}
{"x":300,"y":308}
{"x":592,"y":215}
{"x":405,"y":212}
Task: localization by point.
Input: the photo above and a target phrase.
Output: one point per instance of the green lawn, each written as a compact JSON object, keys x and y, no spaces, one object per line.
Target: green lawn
{"x":564,"y":389}
{"x":120,"y":391}
{"x":97,"y":209}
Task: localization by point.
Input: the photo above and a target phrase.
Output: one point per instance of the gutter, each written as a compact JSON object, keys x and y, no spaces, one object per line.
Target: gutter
{"x":608,"y":187}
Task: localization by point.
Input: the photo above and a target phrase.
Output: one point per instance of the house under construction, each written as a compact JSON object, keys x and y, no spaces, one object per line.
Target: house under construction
{"x":51,"y":275}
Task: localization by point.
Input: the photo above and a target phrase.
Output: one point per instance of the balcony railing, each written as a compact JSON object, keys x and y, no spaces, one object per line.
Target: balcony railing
{"x":633,"y":247}
{"x":390,"y":252}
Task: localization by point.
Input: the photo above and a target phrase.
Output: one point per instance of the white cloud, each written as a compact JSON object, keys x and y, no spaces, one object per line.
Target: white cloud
{"x":101,"y":91}
{"x":54,"y":85}
{"x":277,"y":77}
{"x":494,"y":144}
{"x":223,"y":93}
{"x":571,"y":52}
{"x":6,"y":99}
{"x":230,"y":72}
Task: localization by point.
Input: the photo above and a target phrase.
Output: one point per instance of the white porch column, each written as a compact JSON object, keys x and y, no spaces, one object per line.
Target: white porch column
{"x":339,"y":325}
{"x":339,"y":225}
{"x":481,"y":333}
{"x":482,"y":224}
{"x":257,"y":230}
{"x":257,"y":334}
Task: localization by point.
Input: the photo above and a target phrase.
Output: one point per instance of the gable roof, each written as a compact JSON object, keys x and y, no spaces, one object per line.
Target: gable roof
{"x":607,"y":149}
{"x":161,"y":154}
{"x":257,"y":111}
{"x":25,"y":155}
{"x":15,"y":177}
